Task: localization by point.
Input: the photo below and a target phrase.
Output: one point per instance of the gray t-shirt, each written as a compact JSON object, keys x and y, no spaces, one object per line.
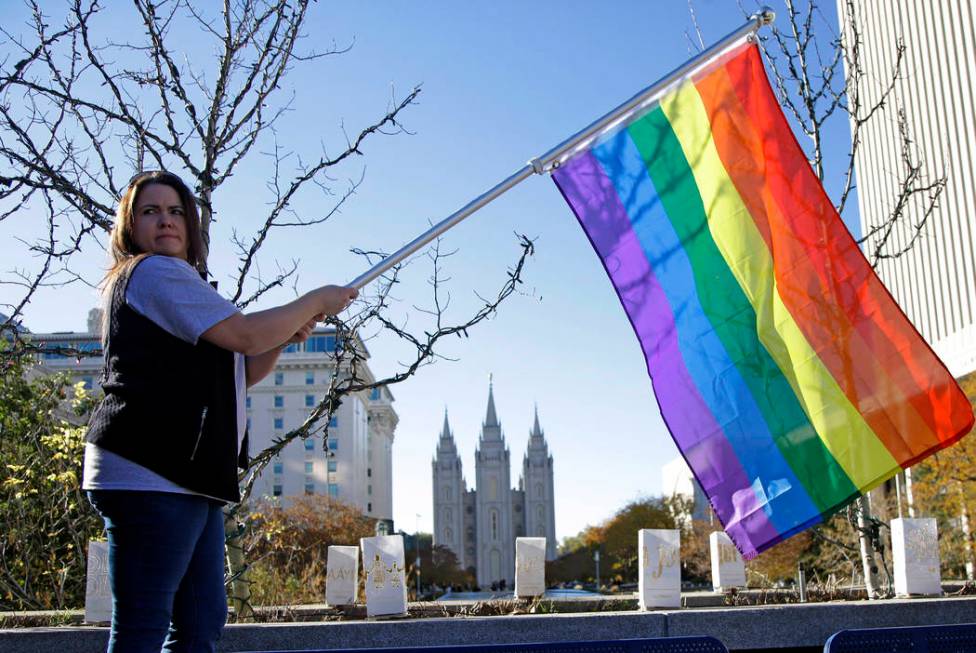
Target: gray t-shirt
{"x":171,"y":293}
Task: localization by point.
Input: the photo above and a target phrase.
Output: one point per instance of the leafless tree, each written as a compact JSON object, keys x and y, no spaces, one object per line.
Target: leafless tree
{"x":819,"y":77}
{"x":821,"y":83}
{"x":80,"y":112}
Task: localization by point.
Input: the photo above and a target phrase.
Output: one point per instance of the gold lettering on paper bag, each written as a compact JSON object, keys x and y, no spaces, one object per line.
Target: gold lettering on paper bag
{"x":667,"y":557}
{"x":727,"y":553}
{"x":922,"y":549}
{"x":376,"y":573}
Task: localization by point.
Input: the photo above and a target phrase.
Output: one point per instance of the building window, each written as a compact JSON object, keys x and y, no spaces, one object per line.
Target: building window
{"x":332,"y":465}
{"x":309,"y":444}
{"x":276,"y":491}
{"x":333,"y":444}
{"x":279,"y":468}
{"x":369,"y":472}
{"x":320,"y":344}
{"x":333,"y":490}
{"x":87,"y":382}
{"x":279,"y":423}
{"x":369,"y":489}
{"x":279,"y":401}
{"x":369,"y":507}
{"x":247,"y":402}
{"x":53,"y":345}
{"x":374,"y":394}
{"x":279,"y":378}
{"x":309,"y":378}
{"x":310,"y":488}
{"x":248,"y":423}
{"x":309,"y":467}
{"x":310,"y":401}
{"x":291,"y":349}
{"x":334,"y":421}
{"x":494,"y":524}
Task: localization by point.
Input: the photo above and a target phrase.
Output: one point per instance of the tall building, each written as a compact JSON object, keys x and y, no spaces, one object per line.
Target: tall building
{"x":480,"y":525}
{"x":935,"y":280}
{"x":356,"y":464}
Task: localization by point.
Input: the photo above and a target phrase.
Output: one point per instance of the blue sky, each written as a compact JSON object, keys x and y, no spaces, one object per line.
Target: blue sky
{"x":502,"y":82}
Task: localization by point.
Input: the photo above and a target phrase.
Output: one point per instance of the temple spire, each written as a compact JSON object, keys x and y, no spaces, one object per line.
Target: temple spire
{"x":446,"y":431}
{"x":536,"y":430}
{"x":491,"y":419}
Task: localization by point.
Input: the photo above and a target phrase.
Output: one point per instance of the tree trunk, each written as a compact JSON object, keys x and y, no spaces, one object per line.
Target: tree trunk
{"x":967,"y":535}
{"x":206,"y":217}
{"x":868,"y":562}
{"x":240,"y":585}
{"x":908,"y":493}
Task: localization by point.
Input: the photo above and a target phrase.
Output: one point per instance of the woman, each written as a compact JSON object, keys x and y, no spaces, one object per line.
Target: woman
{"x":164,"y":444}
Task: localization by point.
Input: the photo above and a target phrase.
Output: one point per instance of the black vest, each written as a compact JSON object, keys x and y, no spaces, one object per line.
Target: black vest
{"x":169,"y":406}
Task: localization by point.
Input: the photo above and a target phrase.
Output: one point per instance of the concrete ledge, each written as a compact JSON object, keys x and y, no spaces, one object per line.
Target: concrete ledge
{"x":761,"y":627}
{"x":810,"y":624}
{"x":445,"y":631}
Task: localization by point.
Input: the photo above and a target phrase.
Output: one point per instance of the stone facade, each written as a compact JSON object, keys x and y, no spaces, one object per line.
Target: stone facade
{"x":480,"y":525}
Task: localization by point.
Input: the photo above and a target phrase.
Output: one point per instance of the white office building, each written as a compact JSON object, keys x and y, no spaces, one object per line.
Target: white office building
{"x":935,"y":281}
{"x":354,"y":464}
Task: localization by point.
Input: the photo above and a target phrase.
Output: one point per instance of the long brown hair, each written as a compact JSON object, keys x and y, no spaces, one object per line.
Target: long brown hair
{"x":122,"y":247}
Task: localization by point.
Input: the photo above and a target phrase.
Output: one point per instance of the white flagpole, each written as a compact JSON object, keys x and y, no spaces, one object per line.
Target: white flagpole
{"x":547,"y":161}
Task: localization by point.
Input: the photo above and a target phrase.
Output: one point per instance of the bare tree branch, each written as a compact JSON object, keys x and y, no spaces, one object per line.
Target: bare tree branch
{"x":284,"y":194}
{"x":73,"y":104}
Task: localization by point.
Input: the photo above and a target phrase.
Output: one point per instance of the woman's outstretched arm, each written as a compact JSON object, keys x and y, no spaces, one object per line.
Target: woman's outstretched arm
{"x":258,"y":367}
{"x":256,"y":333}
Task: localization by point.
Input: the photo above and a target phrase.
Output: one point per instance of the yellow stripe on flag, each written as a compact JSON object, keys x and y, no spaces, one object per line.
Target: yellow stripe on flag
{"x":839,"y":425}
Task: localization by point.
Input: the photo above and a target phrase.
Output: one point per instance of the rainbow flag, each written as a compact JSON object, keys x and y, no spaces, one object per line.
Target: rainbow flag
{"x":787,"y":375}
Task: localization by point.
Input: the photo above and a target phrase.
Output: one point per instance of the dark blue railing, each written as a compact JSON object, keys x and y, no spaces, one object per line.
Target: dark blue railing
{"x":656,"y":645}
{"x":957,"y":638}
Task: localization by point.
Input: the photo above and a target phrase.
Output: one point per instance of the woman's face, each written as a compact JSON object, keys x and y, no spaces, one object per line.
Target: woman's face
{"x":159,"y":222}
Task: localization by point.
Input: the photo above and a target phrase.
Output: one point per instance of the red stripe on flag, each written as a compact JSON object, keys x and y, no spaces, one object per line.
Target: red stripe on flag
{"x":804,"y":230}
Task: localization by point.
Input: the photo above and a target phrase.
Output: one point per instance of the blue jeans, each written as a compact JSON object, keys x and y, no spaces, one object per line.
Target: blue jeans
{"x":166,"y":570}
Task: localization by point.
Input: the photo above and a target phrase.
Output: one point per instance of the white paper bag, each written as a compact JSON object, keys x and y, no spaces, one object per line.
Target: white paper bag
{"x":728,"y":568}
{"x":530,"y":566}
{"x":915,"y":552}
{"x":386,"y":583}
{"x":342,"y":575}
{"x":659,"y":577}
{"x":98,"y":594}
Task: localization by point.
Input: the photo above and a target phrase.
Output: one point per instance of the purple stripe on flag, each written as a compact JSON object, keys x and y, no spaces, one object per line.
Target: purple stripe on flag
{"x":699,"y":437}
